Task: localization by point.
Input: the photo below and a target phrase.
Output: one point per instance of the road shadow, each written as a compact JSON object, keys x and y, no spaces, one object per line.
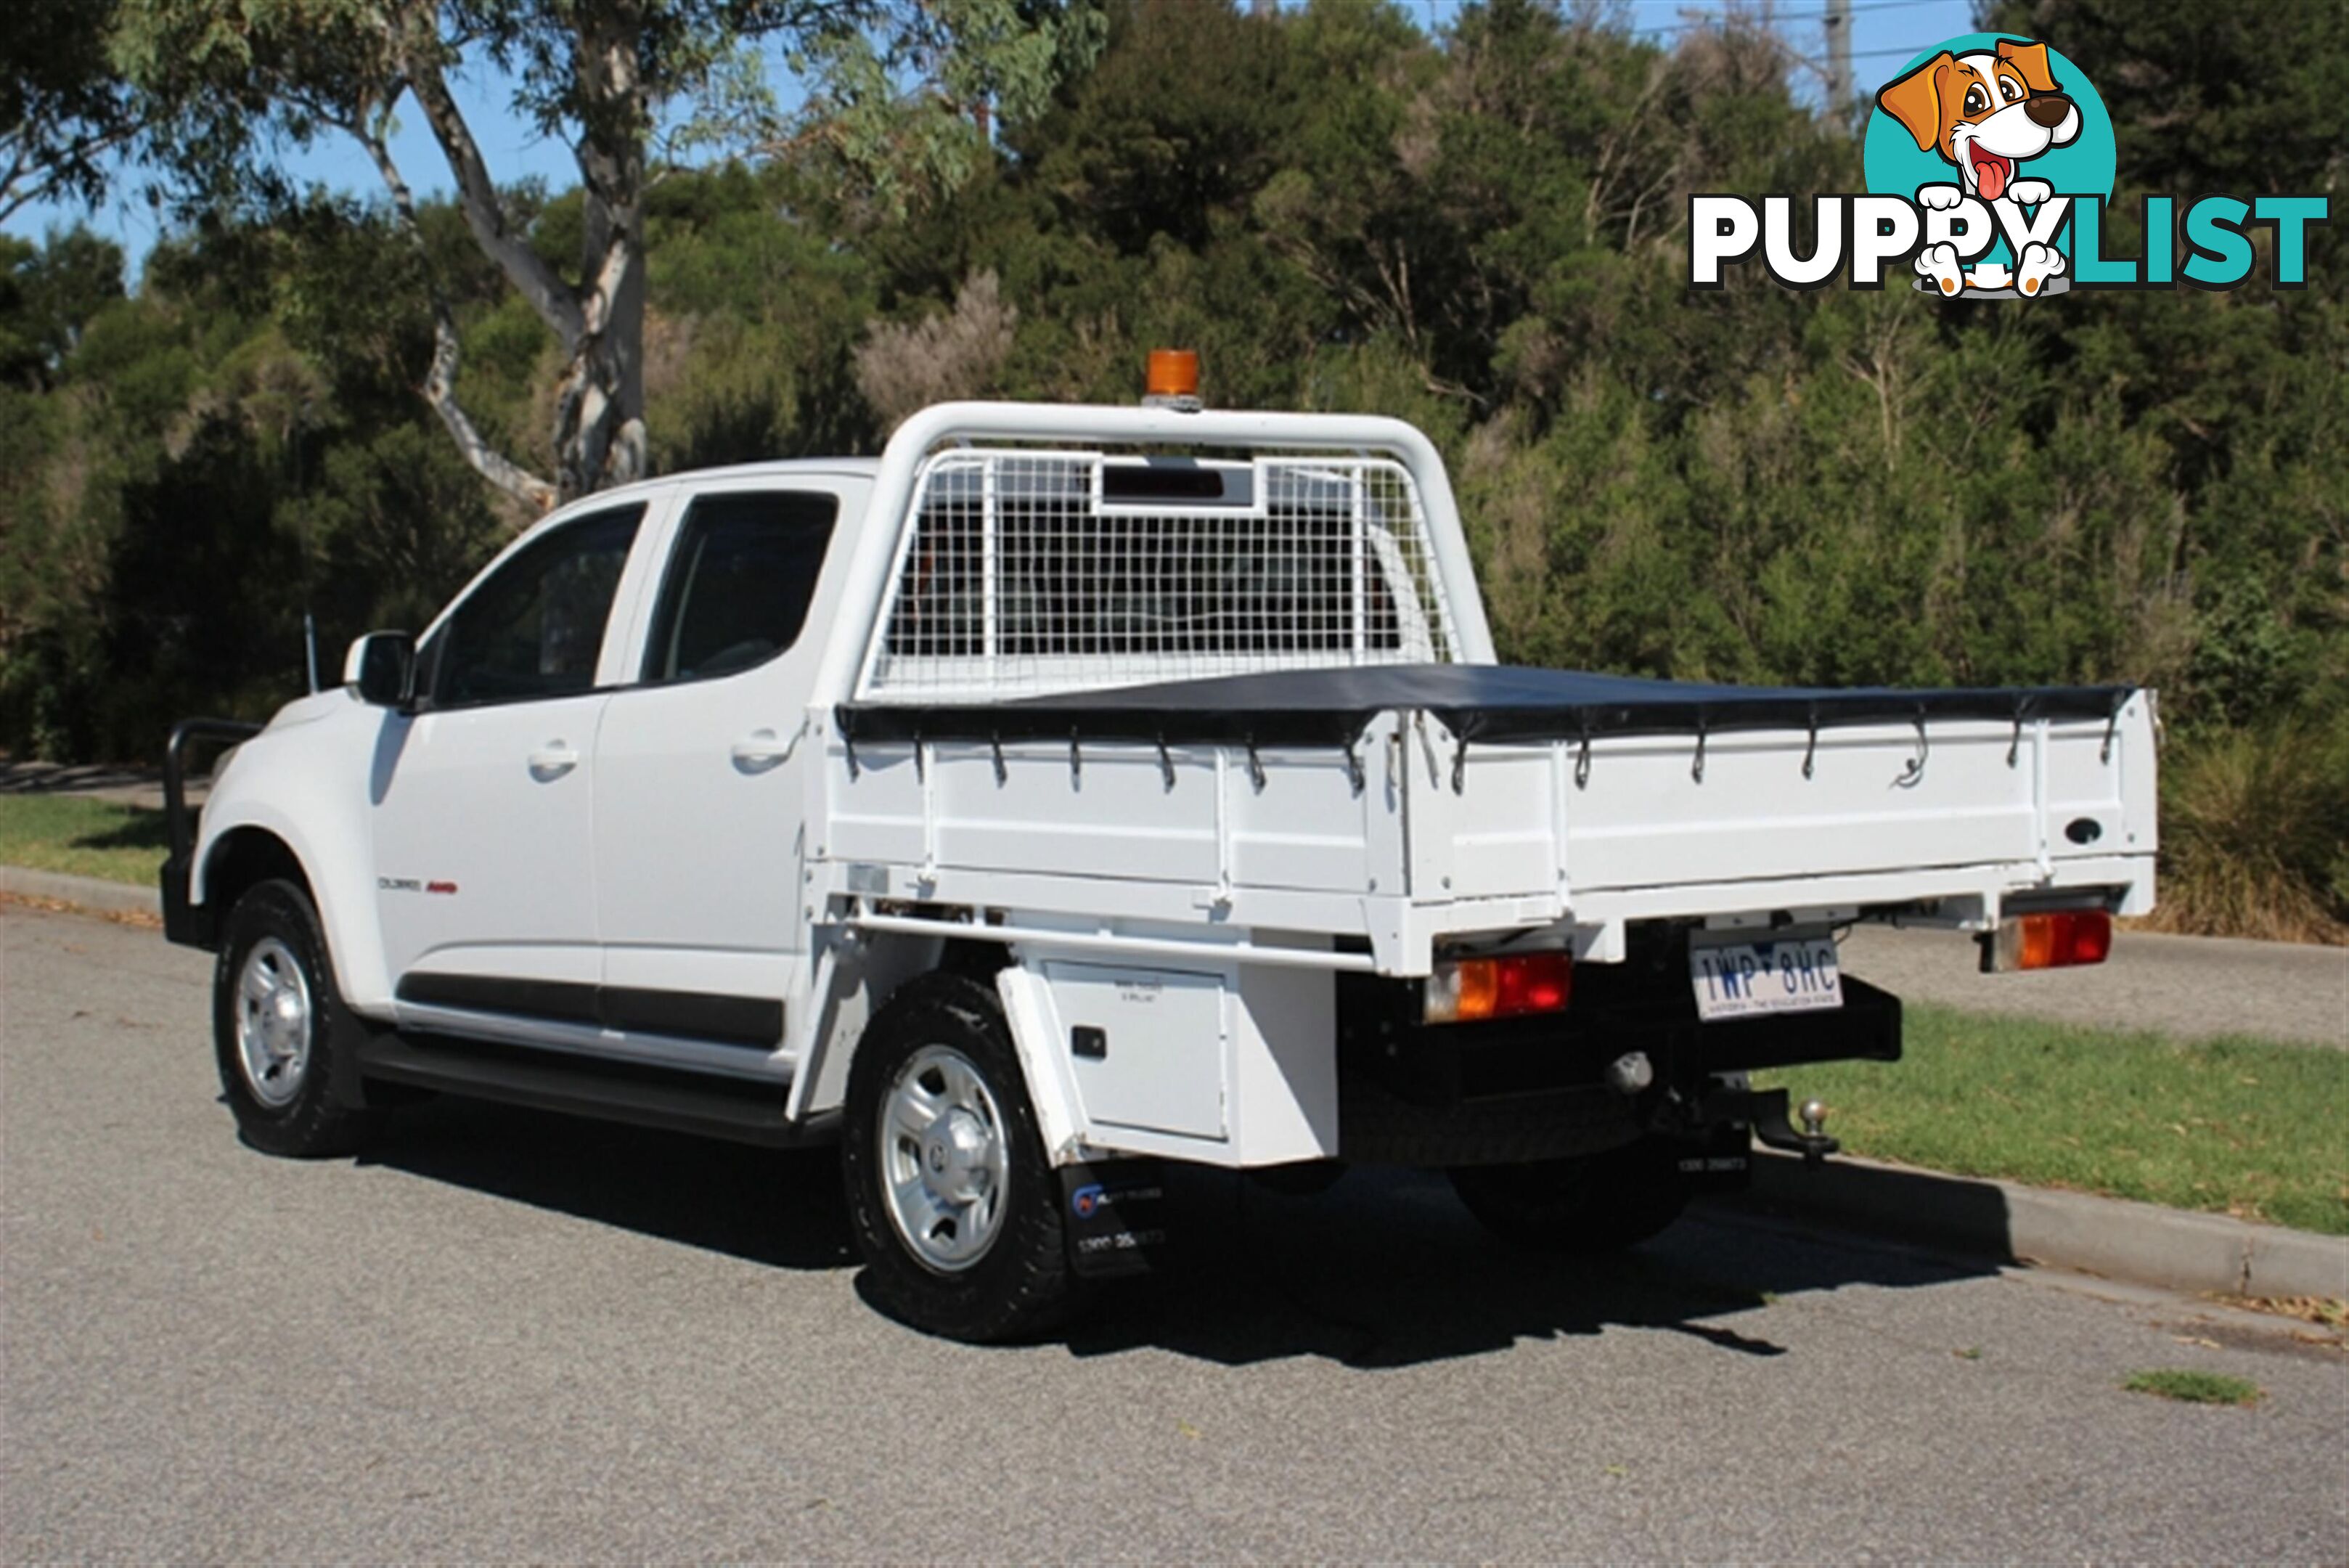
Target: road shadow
{"x":781,"y":1207}
{"x":1384,"y":1269}
{"x":1388,"y":1269}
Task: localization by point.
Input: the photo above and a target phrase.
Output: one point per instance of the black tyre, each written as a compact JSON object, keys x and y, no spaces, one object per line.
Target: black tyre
{"x":278,"y":1025}
{"x":1591,"y":1203}
{"x":953,"y":1206}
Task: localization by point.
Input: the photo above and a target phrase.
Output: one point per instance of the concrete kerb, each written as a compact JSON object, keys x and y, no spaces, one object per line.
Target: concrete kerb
{"x":89,"y":893}
{"x":2140,"y":1243}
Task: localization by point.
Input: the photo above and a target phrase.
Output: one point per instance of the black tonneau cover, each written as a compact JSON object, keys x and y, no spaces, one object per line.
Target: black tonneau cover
{"x":1487,"y":702}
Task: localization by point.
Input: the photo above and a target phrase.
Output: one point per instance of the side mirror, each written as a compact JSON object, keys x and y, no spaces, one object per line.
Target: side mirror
{"x":382,"y":666}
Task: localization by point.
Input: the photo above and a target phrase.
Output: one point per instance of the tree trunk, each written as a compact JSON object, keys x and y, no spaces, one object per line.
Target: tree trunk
{"x":599,"y":432}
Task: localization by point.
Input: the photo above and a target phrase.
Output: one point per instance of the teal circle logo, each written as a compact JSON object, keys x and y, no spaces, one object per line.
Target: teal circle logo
{"x":1986,"y":132}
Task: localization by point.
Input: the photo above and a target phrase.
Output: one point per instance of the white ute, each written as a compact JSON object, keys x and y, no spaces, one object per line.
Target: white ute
{"x":1075,"y":789}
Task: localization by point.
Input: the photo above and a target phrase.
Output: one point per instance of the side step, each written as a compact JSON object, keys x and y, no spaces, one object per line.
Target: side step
{"x":694,"y":1103}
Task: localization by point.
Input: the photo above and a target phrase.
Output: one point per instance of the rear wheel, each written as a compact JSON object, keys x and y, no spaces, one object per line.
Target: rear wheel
{"x":277,"y":1025}
{"x":950,"y":1197}
{"x":1591,"y":1203}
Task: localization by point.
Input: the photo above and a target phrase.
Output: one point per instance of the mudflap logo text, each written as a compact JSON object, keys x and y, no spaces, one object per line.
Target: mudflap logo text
{"x":1990,"y":164}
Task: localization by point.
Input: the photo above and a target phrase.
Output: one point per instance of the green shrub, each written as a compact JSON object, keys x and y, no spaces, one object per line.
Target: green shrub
{"x":2255,"y":831}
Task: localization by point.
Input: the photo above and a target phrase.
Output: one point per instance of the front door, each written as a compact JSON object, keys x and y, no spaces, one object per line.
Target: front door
{"x":483,"y":798}
{"x":700,"y":770}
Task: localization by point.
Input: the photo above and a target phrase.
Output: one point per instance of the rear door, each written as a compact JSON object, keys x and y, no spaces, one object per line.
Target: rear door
{"x":483,"y":798}
{"x":700,"y":769}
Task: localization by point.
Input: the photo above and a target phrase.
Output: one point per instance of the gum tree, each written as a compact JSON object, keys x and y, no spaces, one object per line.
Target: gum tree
{"x":64,"y":113}
{"x":896,"y":94}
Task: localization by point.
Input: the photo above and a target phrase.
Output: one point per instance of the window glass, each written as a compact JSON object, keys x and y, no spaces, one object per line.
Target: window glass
{"x":739,"y":581}
{"x":537,"y":628}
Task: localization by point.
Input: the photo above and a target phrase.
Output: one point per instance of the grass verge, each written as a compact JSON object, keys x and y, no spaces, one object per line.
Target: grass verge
{"x":82,"y":836}
{"x":2193,"y":1387}
{"x":2241,"y":1126}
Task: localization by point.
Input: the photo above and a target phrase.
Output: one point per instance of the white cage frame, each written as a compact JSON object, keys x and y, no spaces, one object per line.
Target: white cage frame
{"x":1021,"y":576}
{"x":1406,"y":533}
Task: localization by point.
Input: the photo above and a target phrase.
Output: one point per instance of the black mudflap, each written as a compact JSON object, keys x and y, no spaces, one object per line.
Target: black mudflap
{"x":1115,"y":1213}
{"x":1719,"y":1161}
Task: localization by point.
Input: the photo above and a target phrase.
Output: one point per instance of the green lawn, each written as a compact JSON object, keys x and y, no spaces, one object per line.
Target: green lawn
{"x":86,"y":837}
{"x":2237,"y":1125}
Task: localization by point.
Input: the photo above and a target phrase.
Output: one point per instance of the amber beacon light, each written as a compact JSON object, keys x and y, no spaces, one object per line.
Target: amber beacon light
{"x":1173,"y":380}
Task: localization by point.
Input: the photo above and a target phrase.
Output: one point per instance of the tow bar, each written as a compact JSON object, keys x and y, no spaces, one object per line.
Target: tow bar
{"x":1765,"y":1110}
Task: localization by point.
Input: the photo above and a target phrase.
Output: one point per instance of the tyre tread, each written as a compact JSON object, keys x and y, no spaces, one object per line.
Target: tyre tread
{"x":316,"y":1125}
{"x":1031,"y":1290}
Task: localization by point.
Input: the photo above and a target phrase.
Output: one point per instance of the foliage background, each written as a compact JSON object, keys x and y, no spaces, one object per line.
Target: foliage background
{"x":1479,"y":230}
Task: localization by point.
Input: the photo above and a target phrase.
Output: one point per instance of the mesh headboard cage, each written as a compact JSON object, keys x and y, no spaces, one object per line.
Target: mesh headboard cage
{"x":1032,"y":572}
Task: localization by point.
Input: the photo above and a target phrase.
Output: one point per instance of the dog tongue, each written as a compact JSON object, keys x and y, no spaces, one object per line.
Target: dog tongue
{"x":1991,"y":172}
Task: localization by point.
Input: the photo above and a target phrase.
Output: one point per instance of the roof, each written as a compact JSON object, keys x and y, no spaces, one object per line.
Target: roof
{"x":771,"y":468}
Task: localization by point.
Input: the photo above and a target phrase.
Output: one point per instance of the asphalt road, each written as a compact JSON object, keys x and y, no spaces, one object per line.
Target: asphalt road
{"x":505,"y":1336}
{"x":2193,"y":987}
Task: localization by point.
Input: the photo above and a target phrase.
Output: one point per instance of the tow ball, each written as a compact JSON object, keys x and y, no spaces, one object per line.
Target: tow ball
{"x":1765,"y":1111}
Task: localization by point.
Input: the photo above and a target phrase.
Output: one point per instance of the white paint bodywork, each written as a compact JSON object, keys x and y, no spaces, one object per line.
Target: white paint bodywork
{"x":718,"y":837}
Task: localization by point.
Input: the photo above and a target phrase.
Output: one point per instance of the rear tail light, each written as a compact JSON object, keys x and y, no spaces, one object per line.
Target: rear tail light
{"x":2057,"y":940}
{"x":1467,"y":991}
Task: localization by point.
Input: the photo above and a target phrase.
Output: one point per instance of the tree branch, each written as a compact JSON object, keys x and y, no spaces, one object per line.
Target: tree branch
{"x":439,"y":387}
{"x":477,"y":197}
{"x":49,"y":169}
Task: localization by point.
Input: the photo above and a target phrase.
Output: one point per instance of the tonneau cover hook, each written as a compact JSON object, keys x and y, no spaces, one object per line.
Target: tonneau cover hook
{"x":1165,"y":762}
{"x":1256,"y":764}
{"x":995,"y":744}
{"x":1914,"y":769}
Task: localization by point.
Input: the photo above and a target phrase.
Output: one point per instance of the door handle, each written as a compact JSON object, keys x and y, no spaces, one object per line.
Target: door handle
{"x":552,"y":761}
{"x":759,"y":750}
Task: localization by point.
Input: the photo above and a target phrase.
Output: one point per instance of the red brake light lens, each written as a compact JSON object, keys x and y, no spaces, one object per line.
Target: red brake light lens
{"x":1469,"y":990}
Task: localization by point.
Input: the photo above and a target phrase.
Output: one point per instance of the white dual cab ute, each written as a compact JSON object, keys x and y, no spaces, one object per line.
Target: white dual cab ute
{"x":1077,"y":789}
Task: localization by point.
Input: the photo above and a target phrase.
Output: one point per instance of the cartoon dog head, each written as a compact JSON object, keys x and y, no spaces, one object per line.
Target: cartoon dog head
{"x":1984,"y":113}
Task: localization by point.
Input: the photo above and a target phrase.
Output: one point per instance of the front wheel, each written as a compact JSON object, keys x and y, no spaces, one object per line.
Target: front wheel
{"x":278,"y":1020}
{"x":1591,"y":1203}
{"x":950,"y":1197}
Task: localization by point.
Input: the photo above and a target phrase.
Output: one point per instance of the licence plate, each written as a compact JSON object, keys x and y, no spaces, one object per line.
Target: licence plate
{"x":1738,"y":980}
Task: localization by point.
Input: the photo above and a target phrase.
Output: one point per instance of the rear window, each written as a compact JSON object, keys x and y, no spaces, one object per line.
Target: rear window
{"x":741,"y":578}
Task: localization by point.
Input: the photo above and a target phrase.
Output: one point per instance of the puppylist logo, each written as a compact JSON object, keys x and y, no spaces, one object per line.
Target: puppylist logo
{"x":1989,"y":163}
